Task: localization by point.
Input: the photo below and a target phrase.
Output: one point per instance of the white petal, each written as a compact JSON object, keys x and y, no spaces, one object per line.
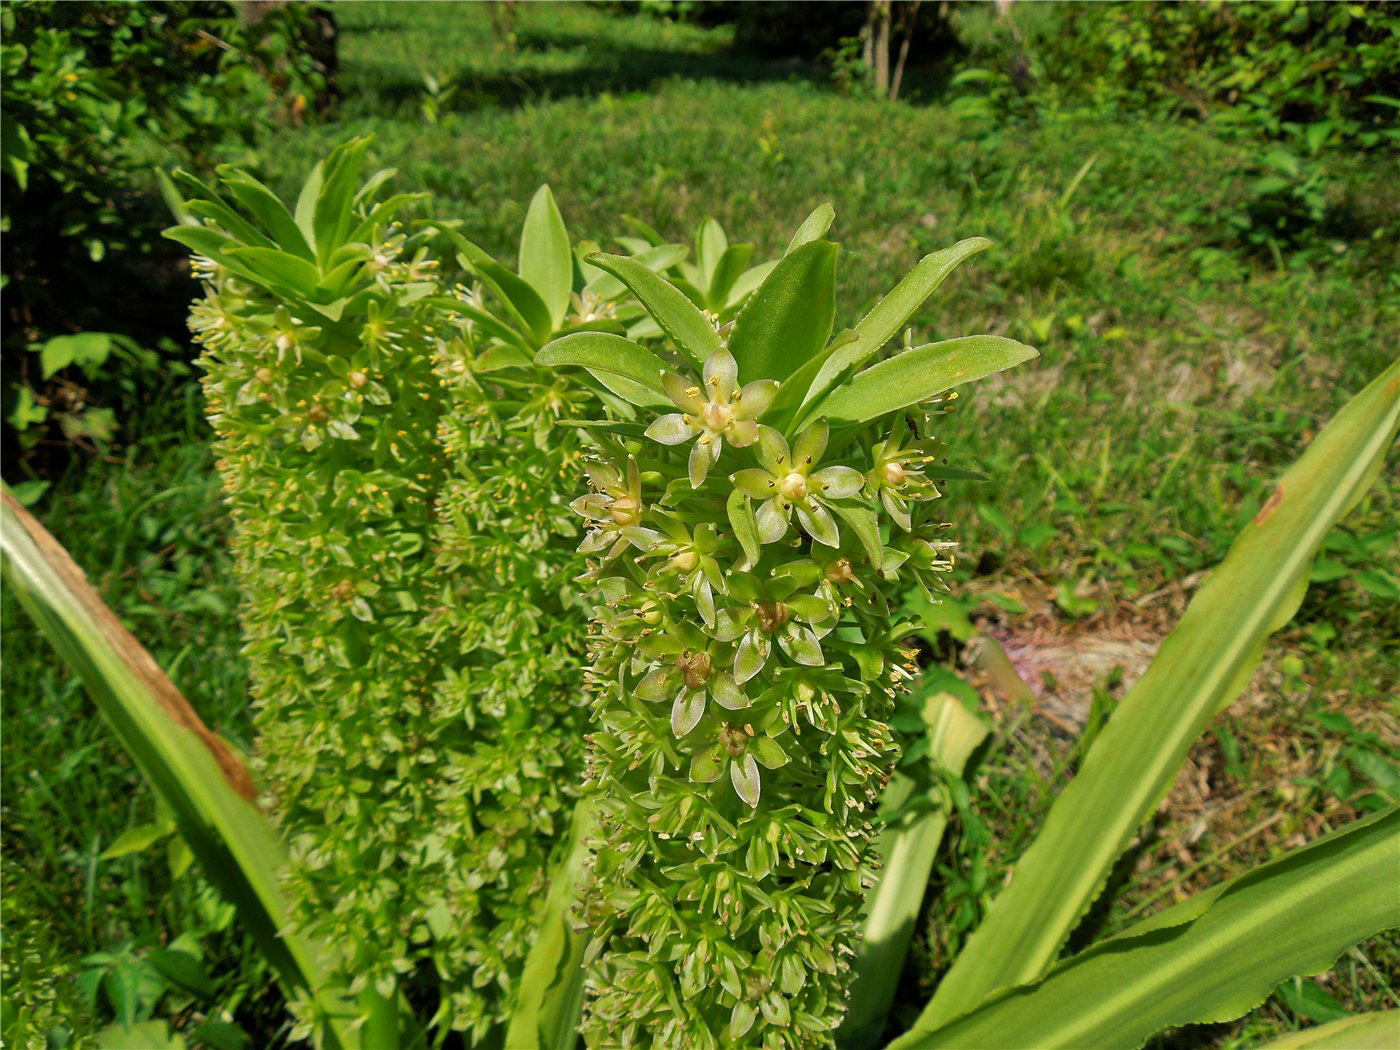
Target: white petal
{"x":819,"y":524}
{"x":811,"y":443}
{"x":671,"y":429}
{"x":837,"y":482}
{"x":755,"y":398}
{"x":744,"y":774}
{"x":703,"y":456}
{"x":751,"y":655}
{"x":683,"y":392}
{"x":772,"y":522}
{"x":687,"y":711}
{"x":773,"y":453}
{"x":721,"y":373}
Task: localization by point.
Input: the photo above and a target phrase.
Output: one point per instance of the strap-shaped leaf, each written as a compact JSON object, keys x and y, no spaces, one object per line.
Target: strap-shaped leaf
{"x":606,"y":355}
{"x":264,"y":205}
{"x":1210,"y":958}
{"x":813,"y":227}
{"x":788,"y":320}
{"x":728,"y":270}
{"x":1377,"y":1031}
{"x":333,"y":211}
{"x":658,"y":259}
{"x":550,"y":1003}
{"x":1202,"y":666}
{"x":203,"y":782}
{"x":280,"y":269}
{"x":710,"y":246}
{"x":545,"y":260}
{"x":893,"y":312}
{"x":681,"y":320}
{"x":918,"y":374}
{"x":906,"y":850}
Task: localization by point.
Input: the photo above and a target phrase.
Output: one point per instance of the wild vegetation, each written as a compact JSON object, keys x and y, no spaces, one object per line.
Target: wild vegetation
{"x":1188,"y":354}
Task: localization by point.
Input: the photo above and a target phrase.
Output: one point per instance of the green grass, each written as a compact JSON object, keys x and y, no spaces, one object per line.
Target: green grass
{"x":1178,"y":376}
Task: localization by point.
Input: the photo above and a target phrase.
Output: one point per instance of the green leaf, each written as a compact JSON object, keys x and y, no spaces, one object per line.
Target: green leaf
{"x":333,"y":211}
{"x":545,"y":260}
{"x":893,"y":312}
{"x":918,"y":374}
{"x":729,"y":269}
{"x":907,"y":851}
{"x":813,"y":227}
{"x":710,"y":246}
{"x":1376,"y":1031}
{"x":148,"y":1035}
{"x":184,"y":971}
{"x":265,"y":206}
{"x":280,"y":269}
{"x":87,"y":350}
{"x":1209,"y":959}
{"x":605,"y":286}
{"x":201,"y":781}
{"x":603,"y":355}
{"x":221,"y":1035}
{"x":550,"y":1002}
{"x":678,"y":317}
{"x":1202,"y":666}
{"x":134,"y":840}
{"x":866,"y":526}
{"x":788,"y":320}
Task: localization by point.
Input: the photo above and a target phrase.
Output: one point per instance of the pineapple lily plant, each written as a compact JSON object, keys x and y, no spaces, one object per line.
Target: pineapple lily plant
{"x":654,"y":807}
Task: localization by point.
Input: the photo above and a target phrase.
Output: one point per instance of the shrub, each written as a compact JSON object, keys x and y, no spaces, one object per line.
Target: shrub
{"x":96,"y":94}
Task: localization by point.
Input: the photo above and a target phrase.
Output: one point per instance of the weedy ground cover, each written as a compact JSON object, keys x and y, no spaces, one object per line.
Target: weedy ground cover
{"x":1176,"y":377}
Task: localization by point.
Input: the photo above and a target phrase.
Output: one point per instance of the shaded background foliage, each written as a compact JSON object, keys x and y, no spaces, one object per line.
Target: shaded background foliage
{"x":1204,"y":294}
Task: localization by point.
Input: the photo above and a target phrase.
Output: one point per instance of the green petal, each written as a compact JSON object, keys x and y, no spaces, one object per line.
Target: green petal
{"x":751,"y":655}
{"x":773,"y":453}
{"x":721,"y":366}
{"x":819,"y":524}
{"x":744,"y":774}
{"x":657,"y":684}
{"x":811,"y":443}
{"x":769,"y":755}
{"x":754,"y":482}
{"x":708,"y":766}
{"x":837,"y":482}
{"x":671,"y":429}
{"x":727,"y":693}
{"x":703,"y":456}
{"x":801,"y":644}
{"x":679,"y":390}
{"x":772,"y":520}
{"x":741,"y":1020}
{"x":755,"y":398}
{"x":687,"y":711}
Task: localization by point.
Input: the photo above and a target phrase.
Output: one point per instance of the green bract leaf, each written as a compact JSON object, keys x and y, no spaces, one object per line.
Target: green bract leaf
{"x":788,"y":320}
{"x":1202,"y":666}
{"x":603,"y":354}
{"x":280,"y":269}
{"x":918,"y":374}
{"x":1210,"y":958}
{"x":813,"y":227}
{"x":545,"y":260}
{"x":894,"y":311}
{"x":268,"y":210}
{"x":1377,"y":1031}
{"x":681,"y":320}
{"x":710,"y":246}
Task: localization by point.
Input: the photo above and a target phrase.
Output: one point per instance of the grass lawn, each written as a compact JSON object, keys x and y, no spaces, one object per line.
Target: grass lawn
{"x":1177,"y":378}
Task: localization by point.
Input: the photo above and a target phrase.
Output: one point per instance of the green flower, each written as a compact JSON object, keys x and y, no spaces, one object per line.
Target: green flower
{"x":741,"y":752}
{"x":690,"y":557}
{"x":690,"y":678}
{"x":712,"y":412}
{"x":896,"y":478}
{"x":613,"y":510}
{"x":788,"y":480}
{"x":798,"y":621}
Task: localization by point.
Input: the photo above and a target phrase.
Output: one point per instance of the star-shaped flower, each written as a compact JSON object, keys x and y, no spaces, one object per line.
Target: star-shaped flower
{"x":690,"y":678}
{"x":896,"y":477}
{"x":738,"y":749}
{"x":612,"y":511}
{"x":712,"y":412}
{"x":788,"y":480}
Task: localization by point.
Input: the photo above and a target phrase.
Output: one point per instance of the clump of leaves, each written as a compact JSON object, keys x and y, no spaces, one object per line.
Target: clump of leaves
{"x":752,"y":528}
